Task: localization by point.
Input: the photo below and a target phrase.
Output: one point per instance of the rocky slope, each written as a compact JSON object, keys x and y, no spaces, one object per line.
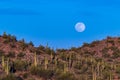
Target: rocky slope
{"x":99,"y":60}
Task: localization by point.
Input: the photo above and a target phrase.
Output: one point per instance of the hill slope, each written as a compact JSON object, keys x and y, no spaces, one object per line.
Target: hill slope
{"x":98,"y":60}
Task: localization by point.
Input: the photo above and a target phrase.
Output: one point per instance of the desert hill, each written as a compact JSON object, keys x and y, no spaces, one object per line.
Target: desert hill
{"x":99,"y":60}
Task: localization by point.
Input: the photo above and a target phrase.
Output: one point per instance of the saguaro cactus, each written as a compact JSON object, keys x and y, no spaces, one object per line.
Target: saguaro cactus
{"x":46,"y":63}
{"x":70,"y":61}
{"x":110,"y":75}
{"x":7,"y":67}
{"x":51,"y":56}
{"x":35,"y":59}
{"x":56,"y":61}
{"x":93,"y":72}
{"x":3,"y":62}
{"x":98,"y":68}
{"x":65,"y":68}
{"x":94,"y":75}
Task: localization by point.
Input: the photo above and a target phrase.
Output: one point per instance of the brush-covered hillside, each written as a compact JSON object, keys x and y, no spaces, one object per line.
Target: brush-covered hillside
{"x":99,"y":60}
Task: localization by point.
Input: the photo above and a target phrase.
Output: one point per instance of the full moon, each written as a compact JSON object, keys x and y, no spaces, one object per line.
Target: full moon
{"x":80,"y":27}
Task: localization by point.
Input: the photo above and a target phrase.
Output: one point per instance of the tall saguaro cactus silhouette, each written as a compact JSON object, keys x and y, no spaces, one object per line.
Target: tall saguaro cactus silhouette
{"x":46,"y":63}
{"x":98,"y":68}
{"x":35,"y":59}
{"x":51,"y":56}
{"x":110,"y":76}
{"x":70,"y":61}
{"x":3,"y":62}
{"x":65,"y":68}
{"x":94,"y":75}
{"x":7,"y":67}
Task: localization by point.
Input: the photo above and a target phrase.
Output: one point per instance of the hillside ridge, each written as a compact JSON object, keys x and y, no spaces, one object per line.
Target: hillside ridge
{"x":98,"y":60}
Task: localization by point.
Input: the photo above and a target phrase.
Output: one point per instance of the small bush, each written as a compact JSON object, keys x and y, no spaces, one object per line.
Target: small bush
{"x":11,"y":54}
{"x":41,"y":48}
{"x":2,"y":53}
{"x":25,"y":75}
{"x":31,"y":43}
{"x":65,"y":76}
{"x":78,"y":66}
{"x":6,"y":41}
{"x":9,"y":77}
{"x":47,"y":74}
{"x":21,"y":54}
{"x":48,"y":50}
{"x":118,"y":70}
{"x":63,"y":56}
{"x":20,"y":65}
{"x":12,"y":44}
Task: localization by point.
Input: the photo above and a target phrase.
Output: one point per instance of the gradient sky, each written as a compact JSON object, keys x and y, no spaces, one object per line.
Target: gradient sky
{"x":53,"y":21}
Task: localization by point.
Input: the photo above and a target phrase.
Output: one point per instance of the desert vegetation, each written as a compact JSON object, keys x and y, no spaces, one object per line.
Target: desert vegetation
{"x":19,"y":60}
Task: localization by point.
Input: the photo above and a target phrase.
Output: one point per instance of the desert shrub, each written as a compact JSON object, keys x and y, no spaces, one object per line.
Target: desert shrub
{"x":34,"y":70}
{"x":74,"y":49}
{"x":106,"y":74}
{"x":116,"y":55}
{"x":110,"y":41}
{"x":86,"y":44}
{"x":94,"y":43}
{"x":81,"y":68}
{"x":78,"y":66}
{"x":23,"y":45}
{"x":118,"y":70}
{"x":4,"y":35}
{"x":61,"y":50}
{"x":2,"y":53}
{"x":60,"y":65}
{"x":11,"y":54}
{"x":18,"y":78}
{"x":31,"y":43}
{"x":106,"y":55}
{"x":65,"y":76}
{"x":6,"y":41}
{"x":12,"y":44}
{"x":8,"y":38}
{"x":21,"y":54}
{"x":13,"y":38}
{"x":25,"y":75}
{"x":38,"y":52}
{"x":41,"y":48}
{"x":63,"y":56}
{"x":9,"y":77}
{"x":48,"y":50}
{"x":88,"y":53}
{"x":47,"y":74}
{"x":20,"y":65}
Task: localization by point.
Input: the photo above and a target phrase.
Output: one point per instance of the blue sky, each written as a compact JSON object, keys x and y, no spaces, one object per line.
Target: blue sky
{"x":53,"y":21}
